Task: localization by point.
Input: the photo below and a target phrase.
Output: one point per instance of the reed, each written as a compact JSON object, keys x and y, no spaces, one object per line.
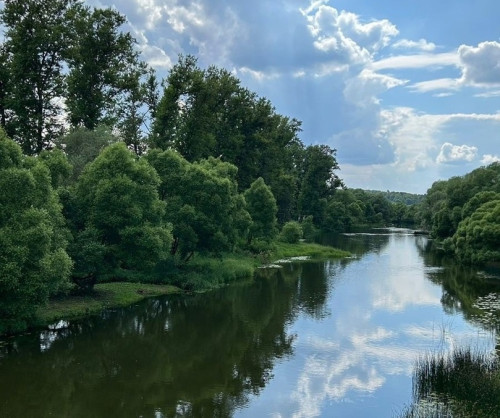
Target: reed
{"x":463,"y":383}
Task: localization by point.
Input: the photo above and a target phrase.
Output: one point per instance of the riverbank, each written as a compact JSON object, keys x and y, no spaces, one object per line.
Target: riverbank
{"x":200,"y":274}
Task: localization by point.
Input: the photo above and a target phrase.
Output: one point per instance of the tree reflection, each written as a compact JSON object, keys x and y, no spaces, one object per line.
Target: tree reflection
{"x":202,"y":355}
{"x":474,"y":293}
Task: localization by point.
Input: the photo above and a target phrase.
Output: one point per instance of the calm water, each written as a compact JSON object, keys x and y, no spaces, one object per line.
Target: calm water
{"x":332,"y":339}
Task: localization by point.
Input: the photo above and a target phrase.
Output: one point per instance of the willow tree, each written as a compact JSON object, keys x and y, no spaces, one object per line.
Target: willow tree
{"x":33,"y":260}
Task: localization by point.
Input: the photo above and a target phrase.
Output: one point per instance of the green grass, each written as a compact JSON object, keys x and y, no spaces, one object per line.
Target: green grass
{"x":104,"y":295}
{"x":307,"y":249}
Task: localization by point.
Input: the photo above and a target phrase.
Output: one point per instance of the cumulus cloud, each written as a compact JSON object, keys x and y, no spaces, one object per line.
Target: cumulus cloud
{"x":450,"y":153}
{"x":344,"y":36}
{"x":367,"y":85}
{"x":421,"y":45}
{"x":489,"y":159}
{"x":481,"y":64}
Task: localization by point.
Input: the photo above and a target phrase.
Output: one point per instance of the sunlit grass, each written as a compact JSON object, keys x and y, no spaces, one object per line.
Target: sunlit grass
{"x":308,"y":249}
{"x":104,"y":295}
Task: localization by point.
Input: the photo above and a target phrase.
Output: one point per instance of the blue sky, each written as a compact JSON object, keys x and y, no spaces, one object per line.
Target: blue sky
{"x":408,"y":92}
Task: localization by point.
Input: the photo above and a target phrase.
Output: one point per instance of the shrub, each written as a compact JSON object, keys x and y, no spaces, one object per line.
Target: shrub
{"x":291,"y":232}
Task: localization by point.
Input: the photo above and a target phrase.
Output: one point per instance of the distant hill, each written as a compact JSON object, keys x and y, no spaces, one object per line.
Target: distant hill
{"x":399,"y":197}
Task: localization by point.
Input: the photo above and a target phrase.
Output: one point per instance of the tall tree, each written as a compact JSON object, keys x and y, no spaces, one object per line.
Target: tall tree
{"x":36,"y":41}
{"x":103,"y":65}
{"x":207,"y":113}
{"x":319,"y":181}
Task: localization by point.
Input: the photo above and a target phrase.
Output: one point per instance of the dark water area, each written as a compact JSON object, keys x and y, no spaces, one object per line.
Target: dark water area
{"x":334,"y":339}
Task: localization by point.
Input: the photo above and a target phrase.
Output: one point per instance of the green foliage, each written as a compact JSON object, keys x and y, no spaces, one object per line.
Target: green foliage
{"x":477,"y":239}
{"x":291,"y":232}
{"x":58,"y":165}
{"x":319,"y":181}
{"x":119,"y":217}
{"x":33,"y":260}
{"x":261,"y":206}
{"x":82,"y":146}
{"x":207,"y":113}
{"x":461,"y":212}
{"x":446,"y":202}
{"x":202,"y":203}
{"x":36,"y":41}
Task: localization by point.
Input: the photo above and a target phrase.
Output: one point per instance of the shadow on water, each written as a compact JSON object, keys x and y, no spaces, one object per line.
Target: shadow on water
{"x":202,"y":355}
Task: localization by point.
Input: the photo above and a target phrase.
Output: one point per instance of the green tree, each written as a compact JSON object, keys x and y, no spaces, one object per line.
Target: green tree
{"x":291,"y":232}
{"x":261,"y":206}
{"x":36,"y":42}
{"x":58,"y":165}
{"x":33,"y":260}
{"x":205,"y":113}
{"x":319,"y":181}
{"x":82,"y":146}
{"x":202,"y":201}
{"x":478,"y":237}
{"x":119,"y":217}
{"x":103,"y":67}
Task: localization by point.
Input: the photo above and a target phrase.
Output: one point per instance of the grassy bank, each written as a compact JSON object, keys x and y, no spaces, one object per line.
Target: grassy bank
{"x":307,"y":249}
{"x":104,"y":296}
{"x":200,"y":274}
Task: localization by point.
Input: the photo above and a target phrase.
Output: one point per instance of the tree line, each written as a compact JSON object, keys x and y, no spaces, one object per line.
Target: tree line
{"x":104,"y":177}
{"x":464,"y":214}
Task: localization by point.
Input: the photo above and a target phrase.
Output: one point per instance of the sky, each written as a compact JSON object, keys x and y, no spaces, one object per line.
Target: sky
{"x":406,"y":91}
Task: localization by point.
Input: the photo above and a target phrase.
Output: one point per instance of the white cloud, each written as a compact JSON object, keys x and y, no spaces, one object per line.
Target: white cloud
{"x":364,"y":88}
{"x":417,"y":61}
{"x":421,"y":45}
{"x":489,"y":159}
{"x":344,"y":36}
{"x":481,"y":64}
{"x":488,"y":94}
{"x":456,"y":153}
{"x":257,"y":75}
{"x":156,"y":57}
{"x":438,"y":84}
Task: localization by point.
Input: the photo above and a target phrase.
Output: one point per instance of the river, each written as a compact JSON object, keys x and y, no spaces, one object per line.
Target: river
{"x":333,"y":339}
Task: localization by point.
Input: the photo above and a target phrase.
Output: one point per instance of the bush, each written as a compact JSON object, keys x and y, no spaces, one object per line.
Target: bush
{"x":291,"y":232}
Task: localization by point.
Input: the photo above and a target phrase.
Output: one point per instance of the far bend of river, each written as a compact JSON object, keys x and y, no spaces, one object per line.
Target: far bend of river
{"x":331,"y":339}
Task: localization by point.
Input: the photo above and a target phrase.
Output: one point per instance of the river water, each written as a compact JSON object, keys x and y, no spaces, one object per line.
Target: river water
{"x":333,"y":339}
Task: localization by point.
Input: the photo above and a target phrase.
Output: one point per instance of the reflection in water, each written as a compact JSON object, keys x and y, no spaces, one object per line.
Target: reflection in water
{"x":309,"y":339}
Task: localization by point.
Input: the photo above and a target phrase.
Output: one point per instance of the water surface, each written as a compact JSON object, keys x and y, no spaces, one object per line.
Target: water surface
{"x":333,"y":339}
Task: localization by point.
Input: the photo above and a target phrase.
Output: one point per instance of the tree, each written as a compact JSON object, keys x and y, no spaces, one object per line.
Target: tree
{"x":207,"y":113}
{"x":82,"y":146}
{"x":291,"y":232}
{"x":36,"y":42}
{"x":478,"y":237}
{"x":261,"y":206}
{"x":33,"y":260}
{"x":103,"y":66}
{"x":119,"y":217}
{"x":319,"y":181}
{"x":202,"y":201}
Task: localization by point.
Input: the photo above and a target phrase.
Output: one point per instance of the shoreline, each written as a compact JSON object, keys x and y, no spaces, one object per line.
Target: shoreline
{"x":117,"y":294}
